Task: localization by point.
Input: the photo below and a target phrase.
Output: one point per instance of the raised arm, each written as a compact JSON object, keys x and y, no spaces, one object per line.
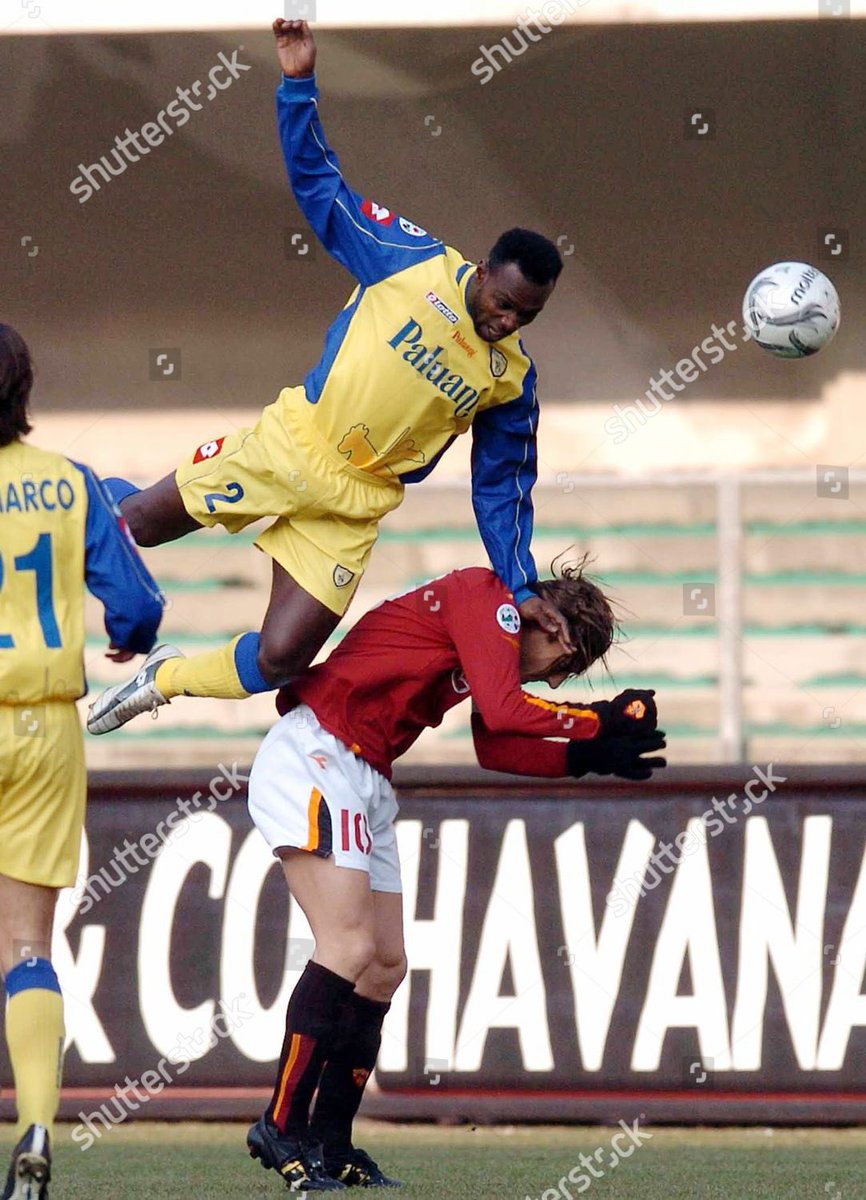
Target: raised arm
{"x":368,"y":238}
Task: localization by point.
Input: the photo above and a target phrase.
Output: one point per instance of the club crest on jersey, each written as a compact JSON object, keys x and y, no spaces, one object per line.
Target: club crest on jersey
{"x":441,"y":307}
{"x":343,"y":576}
{"x":208,"y":450}
{"x":498,"y":363}
{"x":377,"y":212}
{"x":412,"y":230}
{"x":508,"y":618}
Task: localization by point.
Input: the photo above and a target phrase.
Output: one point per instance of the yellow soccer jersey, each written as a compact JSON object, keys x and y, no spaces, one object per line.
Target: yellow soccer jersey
{"x":403,"y":371}
{"x":58,"y":531}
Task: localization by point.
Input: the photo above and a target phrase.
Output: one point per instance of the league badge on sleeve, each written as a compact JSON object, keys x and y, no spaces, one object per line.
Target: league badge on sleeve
{"x":508,"y":618}
{"x":412,"y":229}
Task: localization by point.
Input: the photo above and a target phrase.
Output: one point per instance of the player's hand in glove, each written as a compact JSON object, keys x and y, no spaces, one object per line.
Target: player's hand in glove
{"x":632,"y":711}
{"x":621,"y":756}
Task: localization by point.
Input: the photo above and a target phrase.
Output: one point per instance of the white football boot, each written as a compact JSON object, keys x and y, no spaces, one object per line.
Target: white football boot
{"x":119,"y":704}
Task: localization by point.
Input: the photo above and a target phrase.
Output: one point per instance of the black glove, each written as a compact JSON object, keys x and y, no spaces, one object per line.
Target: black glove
{"x":632,"y":711}
{"x":620,"y":756}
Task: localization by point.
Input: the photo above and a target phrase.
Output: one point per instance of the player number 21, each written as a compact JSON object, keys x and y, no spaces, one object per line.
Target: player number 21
{"x":38,"y":560}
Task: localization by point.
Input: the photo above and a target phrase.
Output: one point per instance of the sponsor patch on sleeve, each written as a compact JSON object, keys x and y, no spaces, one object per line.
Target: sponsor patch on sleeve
{"x":508,"y":618}
{"x":376,"y":212}
{"x":208,"y":450}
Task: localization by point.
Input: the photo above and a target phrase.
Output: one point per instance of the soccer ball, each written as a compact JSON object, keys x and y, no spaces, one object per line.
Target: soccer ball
{"x":791,"y":309}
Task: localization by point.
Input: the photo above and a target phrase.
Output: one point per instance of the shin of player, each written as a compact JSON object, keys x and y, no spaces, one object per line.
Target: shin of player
{"x":338,"y":851}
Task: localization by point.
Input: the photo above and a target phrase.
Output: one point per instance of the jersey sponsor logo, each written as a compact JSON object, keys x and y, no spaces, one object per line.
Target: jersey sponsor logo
{"x":343,"y":576}
{"x":377,"y":212}
{"x":508,"y":618}
{"x":459,"y":682}
{"x":412,"y":230}
{"x":208,"y":450}
{"x":423,"y":359}
{"x":461,"y":341}
{"x":441,"y":307}
{"x":498,"y":363}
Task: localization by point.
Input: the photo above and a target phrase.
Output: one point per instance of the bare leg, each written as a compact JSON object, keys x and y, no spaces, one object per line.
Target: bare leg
{"x":295,"y":628}
{"x":157,"y":514}
{"x":380,"y":980}
{"x":338,"y":903}
{"x":26,"y":922}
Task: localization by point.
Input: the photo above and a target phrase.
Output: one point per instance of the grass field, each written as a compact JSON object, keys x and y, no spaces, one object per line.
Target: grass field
{"x":200,"y":1162}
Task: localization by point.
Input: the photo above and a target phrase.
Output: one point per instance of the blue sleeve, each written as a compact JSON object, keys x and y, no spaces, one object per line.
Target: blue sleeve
{"x":369,"y":239}
{"x":115,"y":574}
{"x":503,"y":474}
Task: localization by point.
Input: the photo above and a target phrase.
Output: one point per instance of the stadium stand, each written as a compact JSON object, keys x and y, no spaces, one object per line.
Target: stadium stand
{"x":804,"y":658}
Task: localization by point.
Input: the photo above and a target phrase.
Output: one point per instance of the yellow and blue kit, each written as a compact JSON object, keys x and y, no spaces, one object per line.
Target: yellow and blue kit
{"x":402,"y":373}
{"x":59,"y":532}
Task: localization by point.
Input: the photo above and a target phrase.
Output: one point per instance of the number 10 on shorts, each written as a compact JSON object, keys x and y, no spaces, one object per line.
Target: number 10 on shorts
{"x":355,"y":825}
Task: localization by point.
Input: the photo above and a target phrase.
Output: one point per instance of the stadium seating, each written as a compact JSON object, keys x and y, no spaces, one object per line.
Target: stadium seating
{"x":804,"y":658}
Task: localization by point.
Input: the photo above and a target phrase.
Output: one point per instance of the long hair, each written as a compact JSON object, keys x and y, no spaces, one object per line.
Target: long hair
{"x":16,"y":382}
{"x":588,"y":611}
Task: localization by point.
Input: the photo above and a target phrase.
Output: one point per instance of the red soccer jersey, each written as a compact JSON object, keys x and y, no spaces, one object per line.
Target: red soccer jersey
{"x":412,"y":658}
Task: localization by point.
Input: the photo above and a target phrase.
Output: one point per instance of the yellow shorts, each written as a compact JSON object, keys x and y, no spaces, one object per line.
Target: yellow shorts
{"x":43,"y":792}
{"x":327,"y":511}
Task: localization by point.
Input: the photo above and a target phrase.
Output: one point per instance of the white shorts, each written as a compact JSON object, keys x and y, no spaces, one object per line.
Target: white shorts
{"x":308,"y":791}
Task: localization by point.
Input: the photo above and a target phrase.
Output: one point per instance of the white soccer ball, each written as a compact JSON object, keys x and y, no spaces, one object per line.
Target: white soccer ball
{"x":791,"y":309}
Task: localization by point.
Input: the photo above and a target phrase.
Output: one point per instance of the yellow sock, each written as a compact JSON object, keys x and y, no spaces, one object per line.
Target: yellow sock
{"x":213,"y":673}
{"x":35,"y":1037}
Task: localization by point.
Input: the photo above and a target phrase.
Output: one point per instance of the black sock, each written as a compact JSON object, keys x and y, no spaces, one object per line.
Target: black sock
{"x":346,"y":1072}
{"x":312,"y":1022}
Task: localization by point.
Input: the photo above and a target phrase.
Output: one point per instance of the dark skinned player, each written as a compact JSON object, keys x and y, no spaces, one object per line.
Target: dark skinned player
{"x":426,"y":349}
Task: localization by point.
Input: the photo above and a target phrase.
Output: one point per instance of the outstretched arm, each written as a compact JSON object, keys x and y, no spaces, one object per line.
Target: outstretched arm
{"x":368,"y":238}
{"x":623,"y":756}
